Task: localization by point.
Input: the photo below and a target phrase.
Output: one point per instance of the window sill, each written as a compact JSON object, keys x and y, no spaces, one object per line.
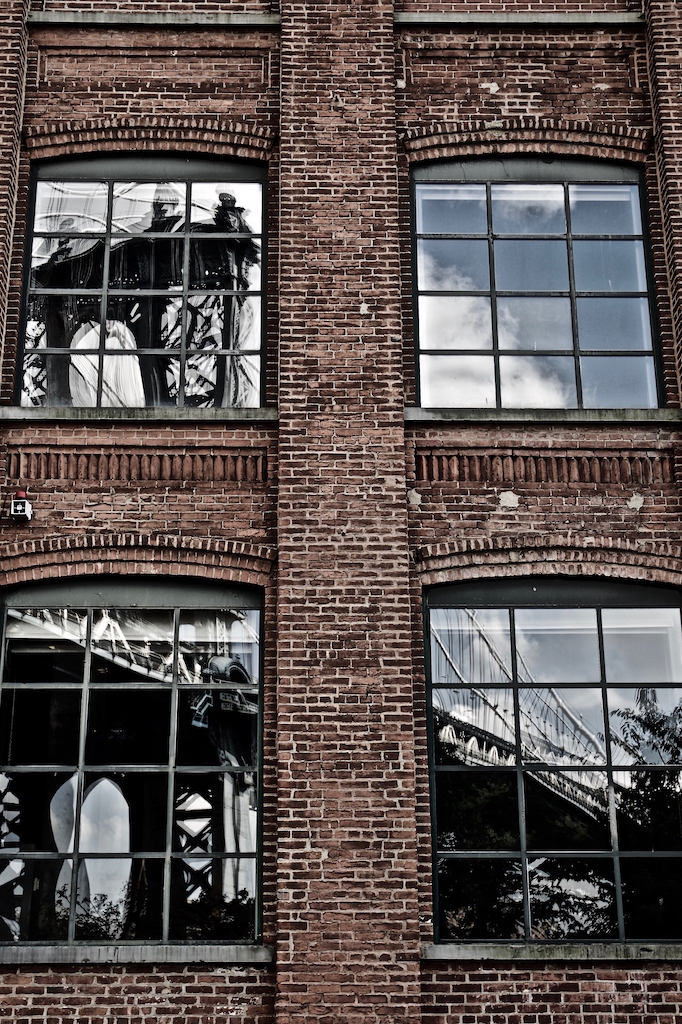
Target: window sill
{"x":414,"y":414}
{"x":18,"y":414}
{"x":134,"y":954}
{"x":552,"y":951}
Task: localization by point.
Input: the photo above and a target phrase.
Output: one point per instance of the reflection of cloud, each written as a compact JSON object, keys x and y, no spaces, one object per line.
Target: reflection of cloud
{"x":449,"y":322}
{"x":536,"y":383}
{"x":458,"y":382}
{"x":443,"y":277}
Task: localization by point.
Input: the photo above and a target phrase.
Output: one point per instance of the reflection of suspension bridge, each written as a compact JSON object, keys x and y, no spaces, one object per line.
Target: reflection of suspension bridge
{"x":120,"y":643}
{"x":478,"y":722}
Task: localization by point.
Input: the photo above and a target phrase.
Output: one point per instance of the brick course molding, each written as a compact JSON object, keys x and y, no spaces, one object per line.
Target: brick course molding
{"x":549,"y":467}
{"x":160,"y":466}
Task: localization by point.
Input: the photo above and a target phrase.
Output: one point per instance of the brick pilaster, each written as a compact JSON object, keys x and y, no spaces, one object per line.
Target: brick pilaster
{"x":347,"y":930}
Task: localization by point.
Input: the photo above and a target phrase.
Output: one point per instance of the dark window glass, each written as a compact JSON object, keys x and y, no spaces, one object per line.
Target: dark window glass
{"x":101,"y":839}
{"x":556,"y":727}
{"x":560,"y":272}
{"x":124,"y":271}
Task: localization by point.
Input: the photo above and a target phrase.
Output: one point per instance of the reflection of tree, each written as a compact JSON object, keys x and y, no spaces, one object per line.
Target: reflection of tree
{"x":571,"y":899}
{"x":480,"y":899}
{"x":650,"y":806}
{"x":212,"y":916}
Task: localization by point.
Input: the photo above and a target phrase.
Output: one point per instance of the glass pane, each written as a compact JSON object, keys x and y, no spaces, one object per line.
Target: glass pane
{"x":230,"y":206}
{"x":538,"y":382}
{"x":451,"y":210}
{"x":649,"y":810}
{"x":32,"y":816}
{"x":470,"y":645}
{"x":222,"y":381}
{"x":477,"y":811}
{"x":215,"y":813}
{"x":44,"y":645}
{"x":132,"y":646}
{"x":474,"y":726}
{"x":614,"y":324}
{"x":119,"y":899}
{"x":646,"y":725}
{"x":34,"y":900}
{"x":537,"y":324}
{"x":218,"y":727}
{"x":525,"y":265}
{"x":56,"y":321}
{"x":605,"y":210}
{"x":67,"y":263}
{"x":124,"y":812}
{"x":642,"y":645}
{"x":122,"y":382}
{"x":572,"y":899}
{"x":213,"y":899}
{"x":567,"y":811}
{"x":652,"y":898}
{"x":228,"y":264}
{"x":453,"y":265}
{"x":557,"y":645}
{"x":615,"y":382}
{"x":457,"y":382}
{"x":455,"y":322}
{"x":480,"y":899}
{"x":223,"y":322}
{"x":604,"y":266}
{"x":71,"y":207}
{"x":528,"y":209}
{"x":144,"y":322}
{"x":146,"y":263}
{"x":148,"y":206}
{"x":39,"y":726}
{"x":128,"y":727}
{"x":562,"y":726}
{"x":217,"y":647}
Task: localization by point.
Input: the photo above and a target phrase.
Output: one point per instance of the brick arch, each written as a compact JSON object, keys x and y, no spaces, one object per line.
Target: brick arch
{"x":202,"y":558}
{"x":526,"y":135}
{"x":554,"y":555}
{"x":195,"y":135}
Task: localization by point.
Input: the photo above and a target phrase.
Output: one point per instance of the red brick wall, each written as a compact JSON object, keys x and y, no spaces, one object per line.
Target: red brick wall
{"x":313,"y":508}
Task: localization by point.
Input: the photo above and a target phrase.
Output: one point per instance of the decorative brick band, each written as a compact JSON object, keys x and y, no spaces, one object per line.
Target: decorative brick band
{"x":184,"y":466}
{"x":539,"y":134}
{"x":111,"y":553}
{"x":196,"y":134}
{"x":510,"y":467}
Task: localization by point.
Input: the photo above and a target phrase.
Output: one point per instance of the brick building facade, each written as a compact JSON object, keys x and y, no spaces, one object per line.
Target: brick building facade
{"x":339,"y":497}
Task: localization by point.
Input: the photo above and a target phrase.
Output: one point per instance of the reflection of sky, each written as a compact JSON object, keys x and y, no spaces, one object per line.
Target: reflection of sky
{"x":558,"y":645}
{"x":453,"y":322}
{"x":642,"y":645}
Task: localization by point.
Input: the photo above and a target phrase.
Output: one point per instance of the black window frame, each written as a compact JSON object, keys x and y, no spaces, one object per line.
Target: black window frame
{"x":551,"y":593}
{"x":542,"y":171}
{"x":172,"y":597}
{"x":147,"y":168}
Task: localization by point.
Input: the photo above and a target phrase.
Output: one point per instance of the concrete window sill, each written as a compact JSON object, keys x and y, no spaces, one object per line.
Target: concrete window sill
{"x":136,"y":954}
{"x":552,"y":951}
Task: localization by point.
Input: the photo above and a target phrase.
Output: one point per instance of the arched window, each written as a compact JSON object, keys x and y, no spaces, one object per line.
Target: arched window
{"x":144,"y":286}
{"x":556,"y":756}
{"x":533,"y":286}
{"x":129,"y":763}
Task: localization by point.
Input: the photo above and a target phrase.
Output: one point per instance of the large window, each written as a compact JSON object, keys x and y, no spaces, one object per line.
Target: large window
{"x":129,"y":765}
{"x":556,"y":753}
{"x":532,"y":286}
{"x":144,"y":285}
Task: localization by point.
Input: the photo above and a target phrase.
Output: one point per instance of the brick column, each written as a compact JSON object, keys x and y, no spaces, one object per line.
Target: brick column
{"x":348,"y":939}
{"x":664,"y":54}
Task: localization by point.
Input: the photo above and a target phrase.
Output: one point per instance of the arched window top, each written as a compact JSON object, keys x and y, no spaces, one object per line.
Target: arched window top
{"x":129,"y":763}
{"x":532,"y":285}
{"x":556,"y":753}
{"x":144,"y":284}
